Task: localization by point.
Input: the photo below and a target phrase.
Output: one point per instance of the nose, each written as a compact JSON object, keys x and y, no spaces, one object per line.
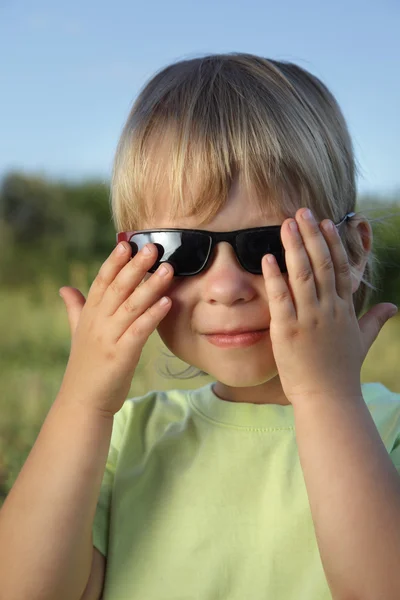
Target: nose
{"x":225,"y":280}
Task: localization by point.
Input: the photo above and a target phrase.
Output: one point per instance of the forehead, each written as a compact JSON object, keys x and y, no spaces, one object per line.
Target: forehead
{"x":239,"y":211}
{"x":225,"y":202}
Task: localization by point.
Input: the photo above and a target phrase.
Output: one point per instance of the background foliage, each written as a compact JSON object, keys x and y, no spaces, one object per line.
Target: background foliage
{"x":55,"y":233}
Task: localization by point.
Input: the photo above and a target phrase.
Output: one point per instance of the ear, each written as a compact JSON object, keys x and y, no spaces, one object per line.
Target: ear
{"x":363,"y":230}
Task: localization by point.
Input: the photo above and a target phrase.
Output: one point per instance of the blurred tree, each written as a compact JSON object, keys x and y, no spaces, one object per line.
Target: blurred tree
{"x":39,"y":211}
{"x":45,"y":226}
{"x":29,"y":206}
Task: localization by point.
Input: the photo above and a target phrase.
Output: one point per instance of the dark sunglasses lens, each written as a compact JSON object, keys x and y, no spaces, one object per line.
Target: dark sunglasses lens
{"x":252,"y":246}
{"x":186,"y":251}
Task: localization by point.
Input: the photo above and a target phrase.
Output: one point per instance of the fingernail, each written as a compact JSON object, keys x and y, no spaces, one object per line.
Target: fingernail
{"x":162,"y":271}
{"x":328,"y":226}
{"x":120,"y":249}
{"x":307,"y":214}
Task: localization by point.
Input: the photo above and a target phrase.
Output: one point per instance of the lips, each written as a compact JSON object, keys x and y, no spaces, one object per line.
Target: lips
{"x":237,"y":331}
{"x":239,"y":340}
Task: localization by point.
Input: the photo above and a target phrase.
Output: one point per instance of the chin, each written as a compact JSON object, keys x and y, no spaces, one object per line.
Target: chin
{"x":239,"y":368}
{"x":242,"y":381}
{"x":232,"y":374}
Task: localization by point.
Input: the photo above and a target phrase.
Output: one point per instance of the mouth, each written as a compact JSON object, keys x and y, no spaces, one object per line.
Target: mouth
{"x":236,"y":339}
{"x":238,"y":331}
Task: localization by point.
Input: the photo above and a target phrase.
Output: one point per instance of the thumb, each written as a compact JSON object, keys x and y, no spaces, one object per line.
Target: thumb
{"x":372,"y":322}
{"x":74,"y":301}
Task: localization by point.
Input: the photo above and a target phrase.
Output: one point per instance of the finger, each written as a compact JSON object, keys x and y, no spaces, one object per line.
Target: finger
{"x":108,"y":272}
{"x":319,"y":256}
{"x":74,"y":302}
{"x":300,"y":272}
{"x":340,"y":260}
{"x":127,"y":280}
{"x":142,"y":299}
{"x":280,"y":302}
{"x":143,"y":327}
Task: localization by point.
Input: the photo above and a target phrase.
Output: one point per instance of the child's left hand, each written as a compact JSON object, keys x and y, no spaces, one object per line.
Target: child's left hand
{"x":319,"y":345}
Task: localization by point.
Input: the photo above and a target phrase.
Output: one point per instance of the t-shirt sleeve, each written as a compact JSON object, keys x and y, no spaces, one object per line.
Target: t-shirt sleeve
{"x":395,"y":453}
{"x":395,"y":426}
{"x":101,"y":523}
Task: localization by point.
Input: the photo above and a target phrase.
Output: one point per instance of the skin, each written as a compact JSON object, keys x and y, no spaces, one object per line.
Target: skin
{"x":226,"y":293}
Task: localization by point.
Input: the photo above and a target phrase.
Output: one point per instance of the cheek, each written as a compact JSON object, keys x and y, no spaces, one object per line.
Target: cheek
{"x":165,"y":328}
{"x":173,"y":329}
{"x":176,"y":315}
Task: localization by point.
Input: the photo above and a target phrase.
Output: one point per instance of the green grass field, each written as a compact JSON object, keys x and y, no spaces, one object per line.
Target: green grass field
{"x":34,"y":349}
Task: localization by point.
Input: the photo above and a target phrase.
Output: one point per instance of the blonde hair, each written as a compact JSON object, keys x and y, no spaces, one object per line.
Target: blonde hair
{"x":272,"y":124}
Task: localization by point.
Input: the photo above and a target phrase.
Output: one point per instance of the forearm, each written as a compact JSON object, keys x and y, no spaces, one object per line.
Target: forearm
{"x":354,"y":494}
{"x":46,"y":520}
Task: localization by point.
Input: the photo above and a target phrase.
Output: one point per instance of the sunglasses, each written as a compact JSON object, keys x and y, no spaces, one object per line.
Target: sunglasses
{"x":189,"y":250}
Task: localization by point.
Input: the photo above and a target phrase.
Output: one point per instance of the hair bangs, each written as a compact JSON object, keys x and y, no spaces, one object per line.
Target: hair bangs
{"x":185,"y":147}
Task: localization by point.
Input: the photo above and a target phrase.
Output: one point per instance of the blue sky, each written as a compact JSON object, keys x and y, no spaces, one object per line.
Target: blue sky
{"x":70,"y":71}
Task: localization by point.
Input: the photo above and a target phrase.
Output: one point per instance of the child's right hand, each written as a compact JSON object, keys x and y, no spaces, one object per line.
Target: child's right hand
{"x":110,"y":328}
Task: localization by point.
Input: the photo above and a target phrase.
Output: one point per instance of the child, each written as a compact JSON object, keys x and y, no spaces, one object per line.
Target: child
{"x":278,"y":479}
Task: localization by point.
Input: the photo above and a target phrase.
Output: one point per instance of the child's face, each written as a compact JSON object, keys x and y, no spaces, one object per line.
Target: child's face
{"x":222,"y":296}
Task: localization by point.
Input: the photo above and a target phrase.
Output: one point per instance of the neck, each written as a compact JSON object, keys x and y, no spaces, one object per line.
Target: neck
{"x":269,"y":392}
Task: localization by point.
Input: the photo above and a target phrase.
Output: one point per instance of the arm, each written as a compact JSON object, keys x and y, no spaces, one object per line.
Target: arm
{"x":46,"y":520}
{"x":95,"y":585}
{"x":354,"y":493}
{"x":319,"y":346}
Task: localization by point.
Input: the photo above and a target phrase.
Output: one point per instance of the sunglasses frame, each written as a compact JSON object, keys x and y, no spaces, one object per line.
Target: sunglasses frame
{"x":215,"y":236}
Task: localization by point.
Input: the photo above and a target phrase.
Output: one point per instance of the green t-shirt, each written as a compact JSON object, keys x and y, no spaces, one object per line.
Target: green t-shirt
{"x":204,"y":499}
